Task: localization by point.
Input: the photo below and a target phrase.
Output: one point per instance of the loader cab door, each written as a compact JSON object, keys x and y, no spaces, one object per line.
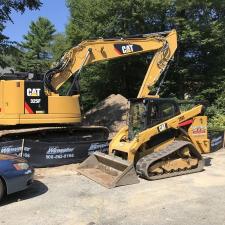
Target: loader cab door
{"x":137,"y":118}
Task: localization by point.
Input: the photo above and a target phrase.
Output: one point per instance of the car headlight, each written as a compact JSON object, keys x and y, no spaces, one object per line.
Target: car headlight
{"x":21,"y":166}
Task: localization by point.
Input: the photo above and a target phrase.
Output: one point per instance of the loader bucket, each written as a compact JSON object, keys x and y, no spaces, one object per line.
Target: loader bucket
{"x":109,"y":171}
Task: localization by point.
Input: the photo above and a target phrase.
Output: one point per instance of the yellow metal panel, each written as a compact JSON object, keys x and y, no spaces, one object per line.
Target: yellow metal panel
{"x":61,"y":109}
{"x":9,"y":119}
{"x":13,"y":96}
{"x":198,"y":129}
{"x":49,"y":118}
{"x":199,"y":134}
{"x":64,"y":105}
{"x":1,"y":97}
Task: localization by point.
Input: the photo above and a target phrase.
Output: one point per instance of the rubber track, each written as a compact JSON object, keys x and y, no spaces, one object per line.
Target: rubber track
{"x":145,"y":162}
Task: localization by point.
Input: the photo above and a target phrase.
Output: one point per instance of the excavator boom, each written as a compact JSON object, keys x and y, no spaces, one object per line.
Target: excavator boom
{"x":163,"y":44}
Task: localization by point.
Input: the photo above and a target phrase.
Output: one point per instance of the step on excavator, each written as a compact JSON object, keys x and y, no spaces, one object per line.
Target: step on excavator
{"x":159,"y":140}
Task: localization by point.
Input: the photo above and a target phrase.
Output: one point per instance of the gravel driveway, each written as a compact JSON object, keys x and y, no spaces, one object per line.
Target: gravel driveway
{"x":60,"y":196}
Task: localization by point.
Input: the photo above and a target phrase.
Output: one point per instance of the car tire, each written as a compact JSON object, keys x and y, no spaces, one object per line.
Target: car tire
{"x":1,"y":189}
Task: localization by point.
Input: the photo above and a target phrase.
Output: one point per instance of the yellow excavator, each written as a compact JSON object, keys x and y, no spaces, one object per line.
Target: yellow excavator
{"x":159,"y":141}
{"x":37,"y":109}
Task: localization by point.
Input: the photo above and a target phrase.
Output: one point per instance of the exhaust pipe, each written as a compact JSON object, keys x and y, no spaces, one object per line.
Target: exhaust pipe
{"x":109,"y":171}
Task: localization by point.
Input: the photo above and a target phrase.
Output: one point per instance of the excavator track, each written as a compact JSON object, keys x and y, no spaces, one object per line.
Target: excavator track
{"x":55,"y":133}
{"x":143,"y":164}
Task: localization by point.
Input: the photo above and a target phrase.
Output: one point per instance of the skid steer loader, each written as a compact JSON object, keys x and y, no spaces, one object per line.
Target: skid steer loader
{"x":158,"y":142}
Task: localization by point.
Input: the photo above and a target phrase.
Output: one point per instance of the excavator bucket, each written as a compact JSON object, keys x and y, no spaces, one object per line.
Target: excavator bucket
{"x":109,"y":171}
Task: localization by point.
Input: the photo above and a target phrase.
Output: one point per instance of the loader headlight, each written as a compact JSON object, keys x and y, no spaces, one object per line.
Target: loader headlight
{"x":21,"y":166}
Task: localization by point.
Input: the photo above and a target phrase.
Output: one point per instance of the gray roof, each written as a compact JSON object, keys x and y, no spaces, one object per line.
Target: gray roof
{"x":5,"y":70}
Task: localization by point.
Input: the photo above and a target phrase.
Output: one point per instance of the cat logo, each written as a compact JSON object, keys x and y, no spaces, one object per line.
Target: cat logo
{"x":127,"y":49}
{"x":34,"y":92}
{"x":162,"y":127}
{"x":123,"y":49}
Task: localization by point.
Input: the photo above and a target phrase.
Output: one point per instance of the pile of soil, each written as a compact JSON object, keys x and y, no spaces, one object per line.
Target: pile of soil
{"x":111,"y":113}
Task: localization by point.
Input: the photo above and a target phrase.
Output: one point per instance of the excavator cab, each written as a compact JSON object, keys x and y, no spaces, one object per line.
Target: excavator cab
{"x":148,"y":112}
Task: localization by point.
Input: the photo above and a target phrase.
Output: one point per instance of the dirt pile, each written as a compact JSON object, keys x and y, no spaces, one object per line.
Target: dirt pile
{"x":110,"y":112}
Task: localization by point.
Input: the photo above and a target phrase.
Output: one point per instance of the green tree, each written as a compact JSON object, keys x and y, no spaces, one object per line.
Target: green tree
{"x":6,"y":7}
{"x":59,"y":45}
{"x":36,"y":47}
{"x":199,"y":67}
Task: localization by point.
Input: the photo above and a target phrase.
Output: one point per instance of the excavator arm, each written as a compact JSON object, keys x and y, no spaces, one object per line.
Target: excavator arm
{"x":163,"y":44}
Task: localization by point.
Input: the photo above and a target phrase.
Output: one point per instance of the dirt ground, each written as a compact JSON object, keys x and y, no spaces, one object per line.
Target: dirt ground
{"x":60,"y":196}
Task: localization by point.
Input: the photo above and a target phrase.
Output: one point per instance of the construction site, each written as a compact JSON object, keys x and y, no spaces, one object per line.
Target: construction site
{"x":76,"y":148}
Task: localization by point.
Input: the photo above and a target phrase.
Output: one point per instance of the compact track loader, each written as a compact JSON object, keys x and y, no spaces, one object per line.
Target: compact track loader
{"x":158,"y":142}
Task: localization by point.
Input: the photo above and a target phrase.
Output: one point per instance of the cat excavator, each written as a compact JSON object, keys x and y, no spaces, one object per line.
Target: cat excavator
{"x":41,"y":111}
{"x":159,"y":140}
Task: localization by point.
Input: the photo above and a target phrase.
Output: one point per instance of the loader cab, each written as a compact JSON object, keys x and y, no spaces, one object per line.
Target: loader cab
{"x":148,"y":112}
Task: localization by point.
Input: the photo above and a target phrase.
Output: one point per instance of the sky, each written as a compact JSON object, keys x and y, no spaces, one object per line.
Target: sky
{"x":55,"y":10}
